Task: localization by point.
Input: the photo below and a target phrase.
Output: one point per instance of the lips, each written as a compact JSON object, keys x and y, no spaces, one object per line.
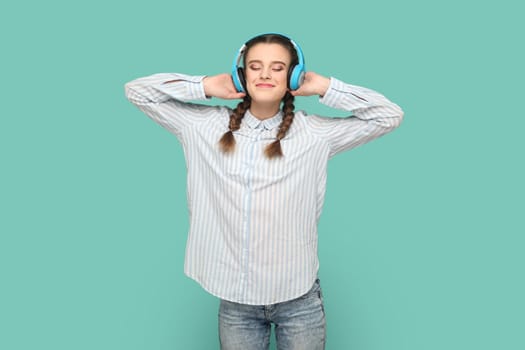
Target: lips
{"x":264,"y":85}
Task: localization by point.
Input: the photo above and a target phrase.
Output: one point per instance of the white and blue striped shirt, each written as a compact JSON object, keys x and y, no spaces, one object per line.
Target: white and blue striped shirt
{"x":253,"y":220}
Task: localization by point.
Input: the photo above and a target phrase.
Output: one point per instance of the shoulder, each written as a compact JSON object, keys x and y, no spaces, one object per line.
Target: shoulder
{"x":310,"y":125}
{"x":314,"y":123}
{"x":211,"y":113}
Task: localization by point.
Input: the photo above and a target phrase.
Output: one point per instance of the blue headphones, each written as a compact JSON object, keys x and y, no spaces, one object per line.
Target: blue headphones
{"x":296,"y":73}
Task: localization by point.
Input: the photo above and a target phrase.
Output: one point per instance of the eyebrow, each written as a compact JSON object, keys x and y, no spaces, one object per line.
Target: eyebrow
{"x":273,"y":62}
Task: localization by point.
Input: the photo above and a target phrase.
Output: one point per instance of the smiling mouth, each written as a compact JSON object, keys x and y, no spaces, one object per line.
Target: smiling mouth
{"x":265,"y":85}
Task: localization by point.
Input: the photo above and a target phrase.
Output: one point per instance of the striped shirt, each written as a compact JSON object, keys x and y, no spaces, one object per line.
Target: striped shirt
{"x":253,"y":220}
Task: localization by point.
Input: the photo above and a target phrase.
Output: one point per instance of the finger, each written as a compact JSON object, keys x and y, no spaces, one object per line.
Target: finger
{"x":298,"y":92}
{"x":237,"y":95}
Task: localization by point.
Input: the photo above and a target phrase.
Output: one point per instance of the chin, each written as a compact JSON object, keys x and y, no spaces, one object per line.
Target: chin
{"x":267,"y":96}
{"x":266,"y":100}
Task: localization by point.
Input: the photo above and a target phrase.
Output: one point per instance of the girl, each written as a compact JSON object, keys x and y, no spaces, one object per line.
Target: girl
{"x":256,"y":179}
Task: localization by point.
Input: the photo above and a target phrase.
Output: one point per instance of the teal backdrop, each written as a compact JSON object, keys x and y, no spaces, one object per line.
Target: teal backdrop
{"x":421,"y":238}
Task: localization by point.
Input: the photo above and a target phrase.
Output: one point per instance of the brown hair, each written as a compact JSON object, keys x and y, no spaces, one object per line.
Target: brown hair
{"x":227,"y":141}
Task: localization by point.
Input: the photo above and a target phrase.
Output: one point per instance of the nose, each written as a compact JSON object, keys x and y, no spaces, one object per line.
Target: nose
{"x":266,"y":73}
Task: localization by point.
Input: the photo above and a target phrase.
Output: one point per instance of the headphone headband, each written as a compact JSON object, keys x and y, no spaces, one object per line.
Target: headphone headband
{"x":296,"y":72}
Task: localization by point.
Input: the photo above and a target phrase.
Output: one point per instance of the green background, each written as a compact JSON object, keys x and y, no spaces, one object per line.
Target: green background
{"x":421,"y":238}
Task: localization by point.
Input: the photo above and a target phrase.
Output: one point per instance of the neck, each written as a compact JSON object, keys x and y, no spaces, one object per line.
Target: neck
{"x":264,"y":111}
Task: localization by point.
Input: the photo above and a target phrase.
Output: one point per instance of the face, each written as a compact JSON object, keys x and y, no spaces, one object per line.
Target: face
{"x":266,"y":72}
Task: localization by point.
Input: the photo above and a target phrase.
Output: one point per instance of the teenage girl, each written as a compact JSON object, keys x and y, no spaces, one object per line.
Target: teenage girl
{"x":256,"y":179}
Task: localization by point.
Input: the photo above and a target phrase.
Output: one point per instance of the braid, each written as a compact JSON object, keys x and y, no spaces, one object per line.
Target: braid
{"x":227,"y":141}
{"x":274,"y":149}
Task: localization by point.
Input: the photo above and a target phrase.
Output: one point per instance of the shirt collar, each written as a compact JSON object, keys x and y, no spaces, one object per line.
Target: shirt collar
{"x":268,"y":124}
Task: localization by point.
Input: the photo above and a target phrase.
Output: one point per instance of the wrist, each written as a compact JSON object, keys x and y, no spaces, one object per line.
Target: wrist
{"x":206,"y":86}
{"x":324,"y":85}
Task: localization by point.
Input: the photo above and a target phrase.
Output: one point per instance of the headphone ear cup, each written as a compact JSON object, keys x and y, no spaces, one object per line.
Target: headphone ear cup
{"x":296,"y":77}
{"x":242,"y":79}
{"x":238,"y":79}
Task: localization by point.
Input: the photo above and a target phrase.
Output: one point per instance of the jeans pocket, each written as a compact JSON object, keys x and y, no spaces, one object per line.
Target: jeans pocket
{"x":320,"y":295}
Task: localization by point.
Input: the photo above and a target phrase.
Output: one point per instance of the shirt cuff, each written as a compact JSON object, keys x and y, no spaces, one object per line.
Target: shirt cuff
{"x":184,"y":87}
{"x":196,"y":88}
{"x":333,"y":93}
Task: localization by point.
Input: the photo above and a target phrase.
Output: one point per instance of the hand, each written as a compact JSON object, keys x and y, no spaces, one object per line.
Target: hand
{"x":314,"y":84}
{"x":221,"y":86}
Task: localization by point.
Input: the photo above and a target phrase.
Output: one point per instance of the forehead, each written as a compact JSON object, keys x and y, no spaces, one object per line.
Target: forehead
{"x":268,"y":52}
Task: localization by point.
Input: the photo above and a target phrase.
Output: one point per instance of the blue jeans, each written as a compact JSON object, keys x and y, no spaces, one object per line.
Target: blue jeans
{"x":299,"y":324}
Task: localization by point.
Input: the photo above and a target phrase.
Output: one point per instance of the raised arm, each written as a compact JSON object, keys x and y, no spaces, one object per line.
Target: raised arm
{"x":165,"y":97}
{"x":372,"y":114}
